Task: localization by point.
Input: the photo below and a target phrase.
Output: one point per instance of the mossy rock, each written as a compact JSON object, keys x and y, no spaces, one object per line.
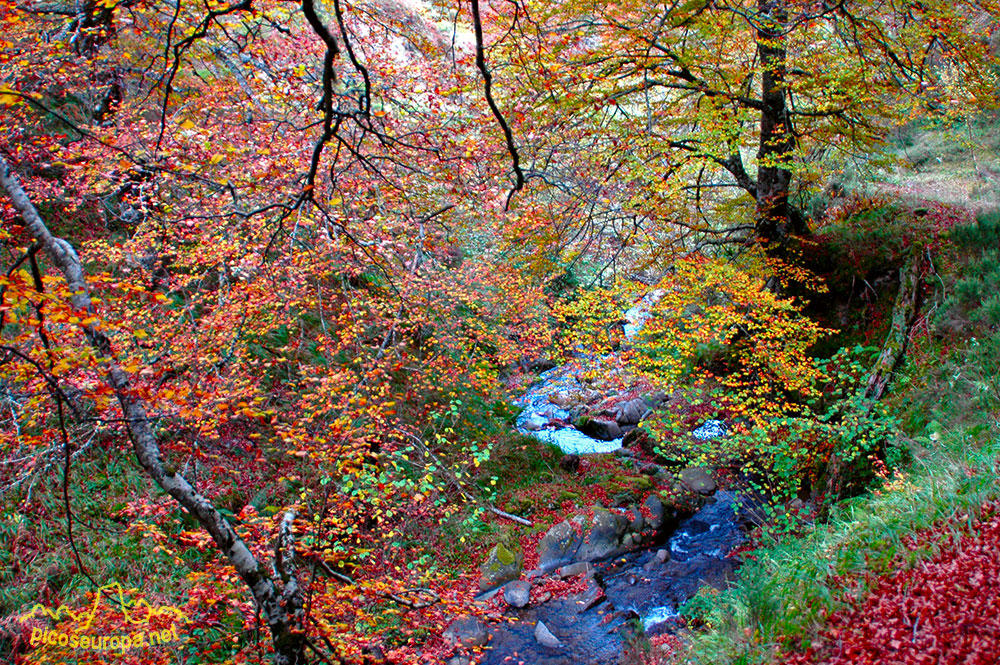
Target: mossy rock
{"x":501,"y":566}
{"x":637,"y":484}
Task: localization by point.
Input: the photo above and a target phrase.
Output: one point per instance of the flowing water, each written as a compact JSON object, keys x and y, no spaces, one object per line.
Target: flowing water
{"x":547,"y":421}
{"x":639,"y":589}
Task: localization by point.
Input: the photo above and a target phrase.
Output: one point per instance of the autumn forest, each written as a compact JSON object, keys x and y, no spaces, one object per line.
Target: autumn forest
{"x":499,"y":331}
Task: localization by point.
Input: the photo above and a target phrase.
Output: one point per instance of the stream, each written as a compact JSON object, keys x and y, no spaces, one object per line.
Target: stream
{"x":645,"y":587}
{"x":639,"y":588}
{"x":544,"y":417}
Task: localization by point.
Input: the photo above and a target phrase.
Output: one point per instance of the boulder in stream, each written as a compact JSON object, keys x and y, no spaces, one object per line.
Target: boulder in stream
{"x":598,"y":428}
{"x":535,"y":423}
{"x":638,"y":438}
{"x":559,"y":545}
{"x":517,"y":594}
{"x":631,"y":412}
{"x":545,"y":637}
{"x":602,"y":534}
{"x":604,"y":537}
{"x":466,"y":631}
{"x":654,"y":506}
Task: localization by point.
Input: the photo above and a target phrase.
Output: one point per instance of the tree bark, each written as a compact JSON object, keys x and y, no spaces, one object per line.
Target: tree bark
{"x":283,"y":608}
{"x":777,"y":142}
{"x":904,"y":315}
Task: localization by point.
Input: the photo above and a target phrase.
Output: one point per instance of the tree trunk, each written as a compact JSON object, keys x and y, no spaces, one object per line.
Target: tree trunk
{"x":904,"y":315}
{"x":777,"y":142}
{"x":283,"y":608}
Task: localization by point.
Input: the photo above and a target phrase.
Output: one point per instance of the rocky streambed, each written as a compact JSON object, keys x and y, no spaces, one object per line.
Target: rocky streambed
{"x":631,"y":565}
{"x":640,"y":588}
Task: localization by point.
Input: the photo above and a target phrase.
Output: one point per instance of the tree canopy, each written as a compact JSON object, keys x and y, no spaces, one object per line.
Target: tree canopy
{"x":285,"y":256}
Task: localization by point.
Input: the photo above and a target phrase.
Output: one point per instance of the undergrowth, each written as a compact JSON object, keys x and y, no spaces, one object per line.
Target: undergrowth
{"x":948,"y":407}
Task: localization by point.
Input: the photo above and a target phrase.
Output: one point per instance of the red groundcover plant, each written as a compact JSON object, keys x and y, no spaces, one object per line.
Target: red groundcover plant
{"x":944,"y":611}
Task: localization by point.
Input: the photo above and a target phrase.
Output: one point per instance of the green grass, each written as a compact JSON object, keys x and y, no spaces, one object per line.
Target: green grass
{"x":784,"y":595}
{"x":955,"y":162}
{"x":949,"y":409}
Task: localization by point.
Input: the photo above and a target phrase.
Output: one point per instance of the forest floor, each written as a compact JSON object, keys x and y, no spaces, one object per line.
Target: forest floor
{"x":944,"y":611}
{"x":907,"y":572}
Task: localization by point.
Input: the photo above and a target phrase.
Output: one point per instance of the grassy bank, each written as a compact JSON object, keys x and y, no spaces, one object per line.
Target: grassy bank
{"x":948,"y":401}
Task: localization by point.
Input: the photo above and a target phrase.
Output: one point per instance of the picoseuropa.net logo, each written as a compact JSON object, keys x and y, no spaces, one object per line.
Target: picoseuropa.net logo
{"x":82,"y":629}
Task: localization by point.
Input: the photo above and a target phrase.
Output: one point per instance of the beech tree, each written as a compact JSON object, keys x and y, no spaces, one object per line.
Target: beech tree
{"x":282,"y":254}
{"x":680,"y":101}
{"x":233,"y":241}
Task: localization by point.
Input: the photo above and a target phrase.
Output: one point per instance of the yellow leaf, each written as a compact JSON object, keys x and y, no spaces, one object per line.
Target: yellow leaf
{"x":187,"y":124}
{"x":7,"y":98}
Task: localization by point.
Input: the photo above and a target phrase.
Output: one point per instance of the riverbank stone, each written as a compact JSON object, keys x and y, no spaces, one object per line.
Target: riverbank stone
{"x":558,"y":546}
{"x":604,"y":537}
{"x":466,"y":631}
{"x":517,"y":594}
{"x":631,"y":412}
{"x":545,"y":637}
{"x":698,"y":480}
{"x":570,"y":463}
{"x":598,"y":428}
{"x":578,"y":568}
{"x":654,"y":506}
{"x":502,"y":565}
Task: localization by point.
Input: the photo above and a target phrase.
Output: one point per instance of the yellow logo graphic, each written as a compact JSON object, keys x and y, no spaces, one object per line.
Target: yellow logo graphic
{"x":137,"y":613}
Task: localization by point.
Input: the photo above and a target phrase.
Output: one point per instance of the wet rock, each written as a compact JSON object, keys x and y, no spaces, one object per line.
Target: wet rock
{"x":545,"y":637}
{"x":698,"y":480}
{"x":637,"y":521}
{"x":466,"y":631}
{"x":631,"y":412}
{"x":600,"y":429}
{"x":598,"y":536}
{"x":517,"y":593}
{"x":558,"y":546}
{"x":501,"y":566}
{"x":578,"y":568}
{"x":570,"y":463}
{"x":592,"y":597}
{"x":654,"y":506}
{"x":650,"y":469}
{"x":533,"y":574}
{"x":604,"y":535}
{"x":535,"y":423}
{"x":661,"y":557}
{"x":458,"y":660}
